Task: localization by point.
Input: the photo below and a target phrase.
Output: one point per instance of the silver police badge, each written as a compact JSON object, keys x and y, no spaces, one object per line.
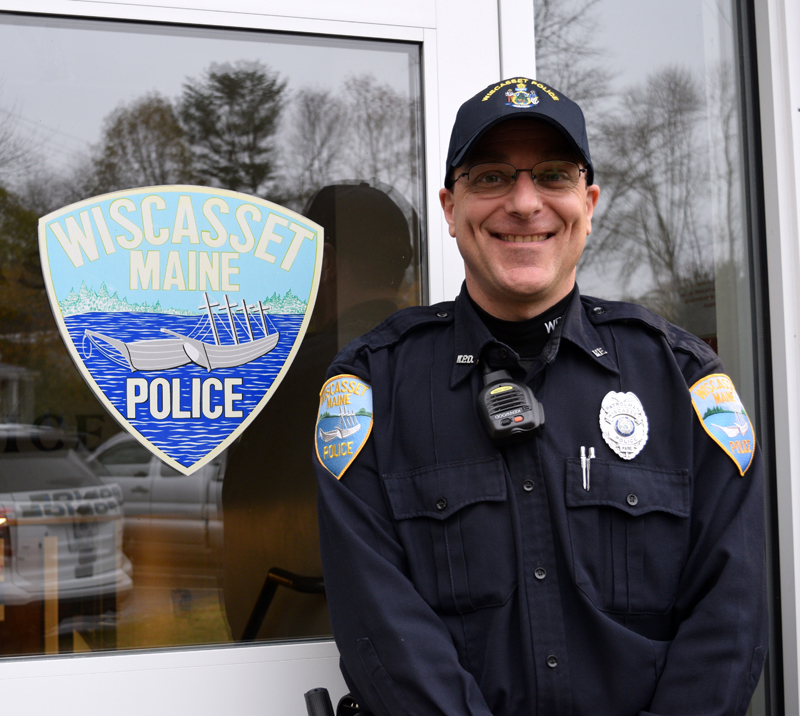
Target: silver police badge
{"x":623,"y":423}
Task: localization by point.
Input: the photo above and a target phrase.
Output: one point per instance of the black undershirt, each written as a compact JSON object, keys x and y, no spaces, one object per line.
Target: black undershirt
{"x":529,"y":337}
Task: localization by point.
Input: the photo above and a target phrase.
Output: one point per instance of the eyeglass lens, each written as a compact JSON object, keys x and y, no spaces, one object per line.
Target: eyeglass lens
{"x":499,"y":177}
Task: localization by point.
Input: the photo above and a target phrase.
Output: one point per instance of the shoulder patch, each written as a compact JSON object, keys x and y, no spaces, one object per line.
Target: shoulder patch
{"x":723,"y":417}
{"x":344,"y":422}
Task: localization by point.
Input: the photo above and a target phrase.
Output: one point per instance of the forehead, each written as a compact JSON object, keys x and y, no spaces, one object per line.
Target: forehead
{"x":521,"y":137}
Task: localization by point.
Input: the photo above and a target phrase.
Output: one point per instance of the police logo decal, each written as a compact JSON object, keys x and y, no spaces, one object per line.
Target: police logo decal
{"x":182,"y":307}
{"x":723,"y":417}
{"x":344,"y":422}
{"x":623,"y":424}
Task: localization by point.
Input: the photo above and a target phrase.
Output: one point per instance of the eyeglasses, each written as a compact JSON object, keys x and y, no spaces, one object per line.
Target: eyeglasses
{"x":497,"y":178}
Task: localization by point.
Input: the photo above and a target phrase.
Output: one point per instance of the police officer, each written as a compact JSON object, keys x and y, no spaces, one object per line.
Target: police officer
{"x":532,"y":501}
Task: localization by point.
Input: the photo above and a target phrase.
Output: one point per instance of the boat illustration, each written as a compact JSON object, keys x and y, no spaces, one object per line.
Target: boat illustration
{"x":740,"y":426}
{"x":167,"y":353}
{"x":348,"y":424}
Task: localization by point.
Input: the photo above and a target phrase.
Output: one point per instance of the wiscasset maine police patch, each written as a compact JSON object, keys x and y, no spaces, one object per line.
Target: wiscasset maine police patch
{"x":344,"y":422}
{"x":723,"y":417}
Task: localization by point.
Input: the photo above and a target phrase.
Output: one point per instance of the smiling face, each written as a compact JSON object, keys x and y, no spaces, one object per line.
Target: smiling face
{"x":520,"y":250}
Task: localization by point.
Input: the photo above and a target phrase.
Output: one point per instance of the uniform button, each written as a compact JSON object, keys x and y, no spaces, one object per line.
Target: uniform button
{"x":552,"y":661}
{"x":441,"y":504}
{"x":598,"y":310}
{"x":540,"y":573}
{"x":527,"y":485}
{"x":503,"y":353}
{"x":442,"y":314}
{"x":632,"y":500}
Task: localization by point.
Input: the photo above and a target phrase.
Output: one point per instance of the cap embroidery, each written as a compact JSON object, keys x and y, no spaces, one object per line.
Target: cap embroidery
{"x":520,"y":97}
{"x":521,"y":81}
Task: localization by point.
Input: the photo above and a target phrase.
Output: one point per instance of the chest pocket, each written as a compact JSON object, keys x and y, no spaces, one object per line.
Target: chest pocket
{"x":455,"y":524}
{"x":629,"y":534}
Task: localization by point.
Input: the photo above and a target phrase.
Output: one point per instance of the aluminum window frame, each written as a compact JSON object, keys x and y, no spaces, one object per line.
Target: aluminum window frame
{"x":778,"y":59}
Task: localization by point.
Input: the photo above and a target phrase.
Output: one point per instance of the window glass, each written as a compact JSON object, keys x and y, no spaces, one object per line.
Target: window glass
{"x":130,"y":454}
{"x":660,"y":89}
{"x":103,"y":545}
{"x":661,"y":94}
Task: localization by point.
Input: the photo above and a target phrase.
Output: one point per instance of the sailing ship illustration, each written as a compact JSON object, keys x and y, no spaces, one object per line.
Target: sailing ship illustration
{"x":167,"y":353}
{"x":740,"y":426}
{"x":348,"y":424}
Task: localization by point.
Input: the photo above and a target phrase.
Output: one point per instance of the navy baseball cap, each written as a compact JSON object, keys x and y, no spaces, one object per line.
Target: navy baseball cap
{"x":511,"y":99}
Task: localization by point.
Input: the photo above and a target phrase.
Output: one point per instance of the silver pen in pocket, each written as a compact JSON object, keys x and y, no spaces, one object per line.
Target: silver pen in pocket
{"x":583,"y":465}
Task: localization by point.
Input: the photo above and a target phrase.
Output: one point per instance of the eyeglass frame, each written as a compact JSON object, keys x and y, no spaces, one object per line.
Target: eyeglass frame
{"x":581,"y":170}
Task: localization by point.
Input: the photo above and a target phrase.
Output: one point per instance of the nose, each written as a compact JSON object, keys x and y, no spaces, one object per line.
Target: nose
{"x":524,"y":199}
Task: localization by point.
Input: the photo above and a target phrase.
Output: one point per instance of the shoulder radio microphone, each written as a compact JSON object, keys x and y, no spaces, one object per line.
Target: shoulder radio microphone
{"x":508,"y":408}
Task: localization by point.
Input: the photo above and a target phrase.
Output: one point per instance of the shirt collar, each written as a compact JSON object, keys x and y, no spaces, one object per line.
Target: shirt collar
{"x":472,"y":338}
{"x":578,"y":328}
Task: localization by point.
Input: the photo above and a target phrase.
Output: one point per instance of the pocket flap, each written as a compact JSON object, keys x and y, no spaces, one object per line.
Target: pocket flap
{"x":441,"y":490}
{"x":635,"y":489}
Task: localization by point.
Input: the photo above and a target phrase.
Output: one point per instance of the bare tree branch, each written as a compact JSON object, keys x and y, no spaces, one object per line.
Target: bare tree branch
{"x":313,"y":148}
{"x":142,"y":145}
{"x":566,"y":55}
{"x":654,"y":166}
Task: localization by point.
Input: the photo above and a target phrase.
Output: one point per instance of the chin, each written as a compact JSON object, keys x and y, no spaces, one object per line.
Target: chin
{"x":527,"y":288}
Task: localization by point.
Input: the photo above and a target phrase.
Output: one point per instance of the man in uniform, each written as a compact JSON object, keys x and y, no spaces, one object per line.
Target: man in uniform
{"x":532,"y":501}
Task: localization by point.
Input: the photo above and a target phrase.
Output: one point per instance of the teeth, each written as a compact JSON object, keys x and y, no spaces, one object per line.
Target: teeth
{"x":523,"y":239}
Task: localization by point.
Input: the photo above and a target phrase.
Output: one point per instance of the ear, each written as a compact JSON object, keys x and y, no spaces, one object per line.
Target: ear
{"x":592,"y":195}
{"x":447,"y":200}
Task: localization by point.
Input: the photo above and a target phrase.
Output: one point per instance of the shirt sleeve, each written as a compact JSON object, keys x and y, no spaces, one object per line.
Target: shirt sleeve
{"x":397,"y":655}
{"x":716,"y":657}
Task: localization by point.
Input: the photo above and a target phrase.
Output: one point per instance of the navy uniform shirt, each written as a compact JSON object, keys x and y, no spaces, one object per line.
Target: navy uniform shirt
{"x":469,"y":579}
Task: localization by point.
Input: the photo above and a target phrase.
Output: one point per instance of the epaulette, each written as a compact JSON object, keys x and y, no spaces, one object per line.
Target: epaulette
{"x":601,"y":311}
{"x":399,"y":324}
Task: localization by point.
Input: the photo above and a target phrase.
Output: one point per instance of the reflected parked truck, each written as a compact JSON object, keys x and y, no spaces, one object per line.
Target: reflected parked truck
{"x":169,"y":517}
{"x":62,"y":566}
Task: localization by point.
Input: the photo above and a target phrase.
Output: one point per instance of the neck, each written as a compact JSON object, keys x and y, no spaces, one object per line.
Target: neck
{"x":529,"y":337}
